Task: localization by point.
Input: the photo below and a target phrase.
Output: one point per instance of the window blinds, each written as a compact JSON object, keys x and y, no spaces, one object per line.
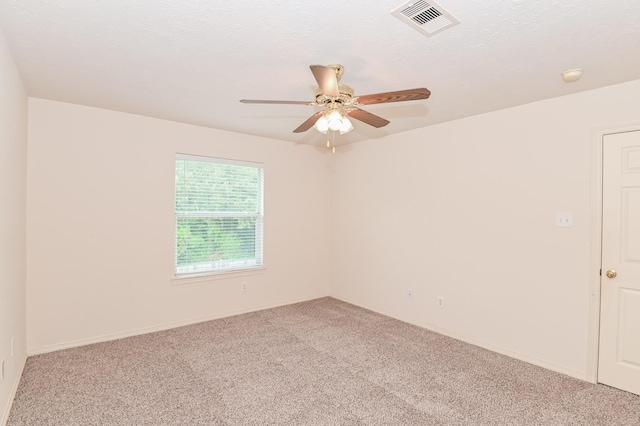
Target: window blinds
{"x":219,"y":215}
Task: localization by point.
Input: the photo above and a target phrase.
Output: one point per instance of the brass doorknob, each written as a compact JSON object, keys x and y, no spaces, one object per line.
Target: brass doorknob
{"x":611,"y":273}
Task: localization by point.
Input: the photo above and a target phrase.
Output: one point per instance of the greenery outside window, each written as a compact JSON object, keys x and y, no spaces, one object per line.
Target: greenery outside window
{"x":219,"y":215}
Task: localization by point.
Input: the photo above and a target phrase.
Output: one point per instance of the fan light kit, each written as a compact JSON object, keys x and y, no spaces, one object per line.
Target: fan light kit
{"x":339,"y":103}
{"x":335,"y":121}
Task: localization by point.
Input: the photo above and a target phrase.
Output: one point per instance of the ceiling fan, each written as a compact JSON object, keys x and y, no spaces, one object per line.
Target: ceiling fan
{"x":338,"y":102}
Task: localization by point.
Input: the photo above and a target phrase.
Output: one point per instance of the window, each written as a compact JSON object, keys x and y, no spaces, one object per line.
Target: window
{"x":218,"y":215}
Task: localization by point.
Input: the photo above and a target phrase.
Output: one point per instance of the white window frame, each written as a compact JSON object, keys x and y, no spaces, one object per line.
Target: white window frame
{"x":221,"y":267}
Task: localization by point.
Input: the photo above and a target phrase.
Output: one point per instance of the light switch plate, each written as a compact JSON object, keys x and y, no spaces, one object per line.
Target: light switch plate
{"x":564,"y":220}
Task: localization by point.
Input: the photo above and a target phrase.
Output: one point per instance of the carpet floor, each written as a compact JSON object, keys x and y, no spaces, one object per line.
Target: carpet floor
{"x":322,"y":362}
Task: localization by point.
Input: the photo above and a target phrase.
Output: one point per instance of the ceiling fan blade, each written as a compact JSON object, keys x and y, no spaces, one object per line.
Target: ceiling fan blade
{"x":326,"y":78}
{"x":258,"y":101}
{"x":309,"y":123}
{"x":367,"y":117}
{"x":399,"y":96}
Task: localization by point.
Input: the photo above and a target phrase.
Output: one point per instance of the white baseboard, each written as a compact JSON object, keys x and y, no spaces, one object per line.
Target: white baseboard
{"x":160,"y":327}
{"x":16,"y":383}
{"x":578,"y":374}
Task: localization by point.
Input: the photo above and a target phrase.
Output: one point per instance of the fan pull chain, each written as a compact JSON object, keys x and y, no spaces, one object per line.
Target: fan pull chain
{"x":332,"y":143}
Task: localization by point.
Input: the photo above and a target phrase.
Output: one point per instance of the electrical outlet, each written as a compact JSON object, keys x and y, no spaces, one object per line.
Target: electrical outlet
{"x":441,"y":302}
{"x":243,"y":287}
{"x":564,"y":220}
{"x":409,"y":294}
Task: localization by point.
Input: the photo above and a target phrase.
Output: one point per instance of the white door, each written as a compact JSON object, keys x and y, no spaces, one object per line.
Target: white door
{"x":619,"y":359}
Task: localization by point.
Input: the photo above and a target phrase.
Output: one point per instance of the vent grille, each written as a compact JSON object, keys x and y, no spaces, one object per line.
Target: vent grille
{"x":428,"y":18}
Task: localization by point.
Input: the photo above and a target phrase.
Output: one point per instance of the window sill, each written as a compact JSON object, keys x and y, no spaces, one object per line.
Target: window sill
{"x":213,"y":276}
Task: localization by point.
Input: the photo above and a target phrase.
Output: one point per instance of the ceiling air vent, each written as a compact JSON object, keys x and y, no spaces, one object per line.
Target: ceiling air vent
{"x":428,"y":18}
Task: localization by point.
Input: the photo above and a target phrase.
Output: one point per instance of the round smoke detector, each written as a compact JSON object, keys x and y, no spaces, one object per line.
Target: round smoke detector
{"x":570,"y":76}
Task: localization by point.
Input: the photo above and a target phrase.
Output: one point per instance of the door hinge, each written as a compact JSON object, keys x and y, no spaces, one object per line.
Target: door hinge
{"x":600,"y":271}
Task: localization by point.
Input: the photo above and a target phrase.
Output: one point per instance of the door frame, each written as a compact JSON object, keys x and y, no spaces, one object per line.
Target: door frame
{"x":595,"y":259}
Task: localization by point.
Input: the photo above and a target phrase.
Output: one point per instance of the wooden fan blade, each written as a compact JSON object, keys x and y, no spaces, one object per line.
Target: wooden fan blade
{"x":367,"y":117}
{"x":399,"y":96}
{"x":326,"y":78}
{"x":258,"y":101}
{"x":309,"y":123}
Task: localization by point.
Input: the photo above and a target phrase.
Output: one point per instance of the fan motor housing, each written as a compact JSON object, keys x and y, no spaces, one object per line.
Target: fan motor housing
{"x":346,"y":94}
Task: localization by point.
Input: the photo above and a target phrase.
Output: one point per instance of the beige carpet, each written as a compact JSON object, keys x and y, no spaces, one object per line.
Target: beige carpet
{"x":323,"y":362}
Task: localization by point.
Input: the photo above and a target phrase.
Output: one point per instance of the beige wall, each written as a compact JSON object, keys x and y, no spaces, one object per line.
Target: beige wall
{"x":101,"y":225}
{"x":13,"y":175}
{"x":466,"y":210}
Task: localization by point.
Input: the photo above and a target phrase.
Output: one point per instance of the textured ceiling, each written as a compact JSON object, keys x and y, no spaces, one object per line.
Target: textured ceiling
{"x":191,"y":61}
